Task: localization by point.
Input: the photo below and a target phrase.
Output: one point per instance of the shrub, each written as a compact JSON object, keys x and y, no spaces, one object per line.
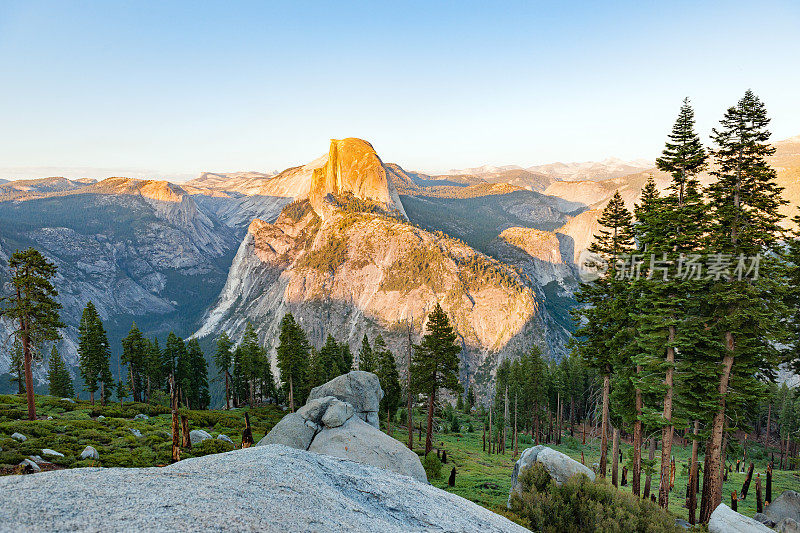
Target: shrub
{"x":432,"y":466}
{"x":584,"y":505}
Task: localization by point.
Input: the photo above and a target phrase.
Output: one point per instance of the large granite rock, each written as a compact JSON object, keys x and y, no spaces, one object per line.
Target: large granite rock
{"x":360,"y":389}
{"x":291,"y":431}
{"x":560,"y":466}
{"x":360,"y":442}
{"x":265,"y":488}
{"x":726,"y":520}
{"x":788,"y":525}
{"x":787,"y":505}
{"x":196,"y":436}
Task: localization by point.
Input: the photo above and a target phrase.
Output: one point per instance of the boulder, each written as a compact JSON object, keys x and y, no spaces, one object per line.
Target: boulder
{"x":291,"y":431}
{"x":338,"y":413}
{"x":19,"y":436}
{"x":30,"y":465}
{"x":787,"y":505}
{"x":224,"y":437}
{"x":788,"y":525}
{"x":726,"y":520}
{"x":358,"y":441}
{"x":141,"y":416}
{"x":196,"y":436}
{"x":360,"y":389}
{"x":101,"y":417}
{"x":560,"y":466}
{"x":263,"y":488}
{"x":761,"y":517}
{"x":53,"y":453}
{"x":136,"y":432}
{"x":90,"y":453}
{"x":314,"y":409}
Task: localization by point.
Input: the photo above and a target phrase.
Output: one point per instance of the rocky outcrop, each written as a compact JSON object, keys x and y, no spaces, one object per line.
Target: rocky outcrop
{"x":327,"y":424}
{"x":787,"y":505}
{"x":264,"y":488}
{"x":560,"y":466}
{"x":726,"y":520}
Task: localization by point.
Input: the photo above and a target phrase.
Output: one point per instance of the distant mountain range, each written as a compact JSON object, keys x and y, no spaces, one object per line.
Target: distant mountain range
{"x":348,"y":243}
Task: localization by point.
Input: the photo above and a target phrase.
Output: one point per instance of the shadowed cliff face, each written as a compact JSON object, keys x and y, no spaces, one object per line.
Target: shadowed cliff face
{"x":353,"y":167}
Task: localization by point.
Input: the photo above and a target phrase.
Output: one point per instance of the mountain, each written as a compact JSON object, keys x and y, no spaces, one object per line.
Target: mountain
{"x":591,"y":170}
{"x":346,"y":261}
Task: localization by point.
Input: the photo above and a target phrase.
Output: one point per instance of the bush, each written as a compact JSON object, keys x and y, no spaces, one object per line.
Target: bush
{"x":584,"y":505}
{"x":432,"y":466}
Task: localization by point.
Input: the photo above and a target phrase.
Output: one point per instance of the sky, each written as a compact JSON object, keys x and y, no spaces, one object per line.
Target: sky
{"x":170,"y":89}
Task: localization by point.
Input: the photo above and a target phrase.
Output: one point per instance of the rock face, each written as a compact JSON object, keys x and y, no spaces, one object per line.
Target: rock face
{"x":362,"y":390}
{"x":560,"y":467}
{"x":358,"y":441}
{"x":726,"y":520}
{"x":787,"y":505}
{"x":327,"y":425}
{"x":264,"y":488}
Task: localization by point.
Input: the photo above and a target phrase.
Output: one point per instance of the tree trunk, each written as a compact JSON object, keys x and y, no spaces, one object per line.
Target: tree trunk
{"x":429,"y":431}
{"x":636,"y":471}
{"x":490,"y":428}
{"x":668,"y":430}
{"x":604,"y":425}
{"x":176,"y":449}
{"x":515,"y":425}
{"x":187,"y":441}
{"x":712,"y":479}
{"x":615,"y":458}
{"x":227,"y":390}
{"x":650,"y":455}
{"x":694,"y":481}
{"x":291,"y":394}
{"x":26,"y":350}
{"x":769,"y":423}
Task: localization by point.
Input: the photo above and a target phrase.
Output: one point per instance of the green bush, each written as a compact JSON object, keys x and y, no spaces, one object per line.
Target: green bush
{"x":584,"y":505}
{"x":432,"y":466}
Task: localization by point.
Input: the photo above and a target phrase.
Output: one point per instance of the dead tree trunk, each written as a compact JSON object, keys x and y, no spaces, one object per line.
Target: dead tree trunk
{"x":615,"y":458}
{"x":247,"y":434}
{"x":187,"y":441}
{"x":176,"y":449}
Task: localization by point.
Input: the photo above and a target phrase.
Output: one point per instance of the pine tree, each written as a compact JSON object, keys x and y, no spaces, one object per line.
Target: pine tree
{"x":18,"y":367}
{"x":744,"y":201}
{"x":33,"y":308}
{"x":58,"y":376}
{"x":434,"y":365}
{"x":94,"y":353}
{"x":198,"y":395}
{"x":470,"y":399}
{"x":603,"y":318}
{"x":386,"y":370}
{"x":155,"y":368}
{"x":366,"y":360}
{"x":293,"y":360}
{"x":223,"y":359}
{"x":325,"y":363}
{"x":135,"y":350}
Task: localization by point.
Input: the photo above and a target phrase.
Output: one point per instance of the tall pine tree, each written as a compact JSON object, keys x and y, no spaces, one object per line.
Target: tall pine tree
{"x":60,"y":381}
{"x":293,"y":360}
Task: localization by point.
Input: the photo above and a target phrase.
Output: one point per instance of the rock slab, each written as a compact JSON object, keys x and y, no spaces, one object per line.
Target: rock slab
{"x":726,"y":520}
{"x":360,"y":442}
{"x":264,"y":488}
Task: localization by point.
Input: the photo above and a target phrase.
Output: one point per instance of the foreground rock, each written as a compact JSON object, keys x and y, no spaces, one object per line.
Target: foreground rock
{"x":340,"y":419}
{"x":265,"y":488}
{"x":787,"y":505}
{"x":560,"y":466}
{"x":726,"y":520}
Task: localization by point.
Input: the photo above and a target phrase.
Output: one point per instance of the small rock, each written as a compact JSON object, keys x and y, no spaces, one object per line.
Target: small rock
{"x":726,"y":520}
{"x":49,"y":417}
{"x":19,"y":436}
{"x":683,"y":524}
{"x":196,"y":436}
{"x":70,"y":400}
{"x":101,"y":417}
{"x":28,"y":464}
{"x":90,"y":453}
{"x":37,"y":459}
{"x":338,"y":413}
{"x":141,"y":416}
{"x":53,"y":453}
{"x":224,"y":437}
{"x":136,"y":432}
{"x":787,"y":525}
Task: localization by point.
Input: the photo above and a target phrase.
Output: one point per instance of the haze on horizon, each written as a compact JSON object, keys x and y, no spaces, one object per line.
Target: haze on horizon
{"x":167,"y":91}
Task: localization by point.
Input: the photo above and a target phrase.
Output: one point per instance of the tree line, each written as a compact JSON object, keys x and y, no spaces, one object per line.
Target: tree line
{"x":695,"y":304}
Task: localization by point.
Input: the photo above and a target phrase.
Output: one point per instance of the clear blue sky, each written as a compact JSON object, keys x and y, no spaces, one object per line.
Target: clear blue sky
{"x":180,"y":87}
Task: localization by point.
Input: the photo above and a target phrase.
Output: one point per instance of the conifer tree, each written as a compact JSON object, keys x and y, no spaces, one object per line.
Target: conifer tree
{"x":58,"y":376}
{"x":94,"y":353}
{"x":223,"y":359}
{"x":198,"y":395}
{"x":604,"y":315}
{"x":325,"y":363}
{"x":386,"y":370}
{"x":155,"y":369}
{"x":17,"y":367}
{"x":366,"y":361}
{"x":293,"y":360}
{"x":744,"y":201}
{"x":434,"y":365}
{"x":32,"y":308}
{"x":135,"y":349}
